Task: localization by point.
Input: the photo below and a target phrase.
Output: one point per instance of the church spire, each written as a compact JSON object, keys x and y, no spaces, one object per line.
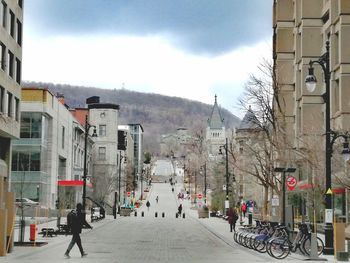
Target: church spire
{"x":215,"y":120}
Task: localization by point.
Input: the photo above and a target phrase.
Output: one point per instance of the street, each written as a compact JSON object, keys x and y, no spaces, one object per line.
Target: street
{"x":143,"y":239}
{"x":149,"y":238}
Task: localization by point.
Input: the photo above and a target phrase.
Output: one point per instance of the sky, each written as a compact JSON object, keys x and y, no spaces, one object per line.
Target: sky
{"x":193,"y":49}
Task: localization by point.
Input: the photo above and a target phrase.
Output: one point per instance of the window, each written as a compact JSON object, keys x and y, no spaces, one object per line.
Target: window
{"x":18,"y":71}
{"x":31,"y":124}
{"x":63,"y":135}
{"x":9,"y":104}
{"x":16,"y":108}
{"x":4,"y":14}
{"x":26,"y":161}
{"x":10,"y":63}
{"x":3,"y":56}
{"x":102,"y":130}
{"x":102,"y":153}
{"x":12,"y":24}
{"x":2,"y":98}
{"x":19,"y":33}
{"x":20,"y":3}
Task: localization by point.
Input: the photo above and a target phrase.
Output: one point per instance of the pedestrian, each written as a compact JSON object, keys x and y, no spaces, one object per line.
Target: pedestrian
{"x":148,"y":204}
{"x":232,"y":218}
{"x":179,"y":209}
{"x":244,"y":208}
{"x":157,"y":198}
{"x":76,"y":221}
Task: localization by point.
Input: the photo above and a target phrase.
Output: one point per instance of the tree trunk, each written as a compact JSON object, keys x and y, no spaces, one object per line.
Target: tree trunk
{"x":266,"y":198}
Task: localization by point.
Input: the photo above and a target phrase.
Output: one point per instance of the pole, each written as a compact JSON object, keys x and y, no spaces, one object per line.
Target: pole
{"x":284,"y":197}
{"x":85,"y":161}
{"x":328,"y":249}
{"x":227,"y":181}
{"x":195,"y":187}
{"x":119,"y":178}
{"x":205,"y":183}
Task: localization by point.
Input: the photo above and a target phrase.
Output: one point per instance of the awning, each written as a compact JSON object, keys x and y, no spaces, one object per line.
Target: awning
{"x":73,"y":183}
{"x":306,"y":185}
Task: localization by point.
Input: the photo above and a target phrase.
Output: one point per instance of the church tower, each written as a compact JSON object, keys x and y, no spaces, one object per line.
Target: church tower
{"x":216,"y":132}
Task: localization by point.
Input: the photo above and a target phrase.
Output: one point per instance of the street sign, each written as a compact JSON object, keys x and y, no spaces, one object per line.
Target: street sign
{"x":291,"y":182}
{"x":128,"y":194}
{"x":275,"y":201}
{"x":199,"y":196}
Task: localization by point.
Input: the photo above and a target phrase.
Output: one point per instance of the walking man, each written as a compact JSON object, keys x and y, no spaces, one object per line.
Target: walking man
{"x":76,"y":221}
{"x":148,"y":204}
{"x":157,"y":199}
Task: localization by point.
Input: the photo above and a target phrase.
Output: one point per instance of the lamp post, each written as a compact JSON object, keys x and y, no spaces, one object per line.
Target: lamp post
{"x":87,"y":128}
{"x":227,"y":175}
{"x":284,"y":171}
{"x":205,"y":182}
{"x":331,"y":136}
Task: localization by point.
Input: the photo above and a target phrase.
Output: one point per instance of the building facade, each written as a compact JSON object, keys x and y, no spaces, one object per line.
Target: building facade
{"x":216,"y":131}
{"x":47,"y":160}
{"x":104,"y":116}
{"x":136,"y":131}
{"x":11,"y":19}
{"x":301,"y":31}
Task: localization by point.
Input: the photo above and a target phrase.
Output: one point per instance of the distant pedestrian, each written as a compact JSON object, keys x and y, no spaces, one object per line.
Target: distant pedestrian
{"x":157,"y":199}
{"x":244,"y":209}
{"x":179,"y":209}
{"x":76,"y":221}
{"x":172,"y":189}
{"x":232,"y":218}
{"x":148,"y":204}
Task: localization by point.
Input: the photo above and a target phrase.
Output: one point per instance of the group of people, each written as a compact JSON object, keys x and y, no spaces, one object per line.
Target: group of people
{"x":233,"y":213}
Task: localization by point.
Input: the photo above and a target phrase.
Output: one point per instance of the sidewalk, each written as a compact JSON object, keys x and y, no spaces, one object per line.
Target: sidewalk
{"x":220,"y":228}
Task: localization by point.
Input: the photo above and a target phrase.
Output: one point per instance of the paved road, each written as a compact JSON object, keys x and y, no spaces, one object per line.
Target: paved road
{"x":149,"y":238}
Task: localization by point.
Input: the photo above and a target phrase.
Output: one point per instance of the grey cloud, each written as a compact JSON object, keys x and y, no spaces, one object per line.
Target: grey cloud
{"x":200,"y":26}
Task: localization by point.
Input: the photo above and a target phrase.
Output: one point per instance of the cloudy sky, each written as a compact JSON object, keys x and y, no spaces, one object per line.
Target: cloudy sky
{"x":185,"y":48}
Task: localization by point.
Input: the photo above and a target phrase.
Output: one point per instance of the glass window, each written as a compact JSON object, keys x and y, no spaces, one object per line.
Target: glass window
{"x":102,"y":130}
{"x":10,"y":63}
{"x":4,"y":13}
{"x":63,"y":136}
{"x":18,"y":71}
{"x":2,"y":97}
{"x":102,"y":153}
{"x":9,"y":104}
{"x":3,"y":56}
{"x":35,"y":161}
{"x":16,"y":109}
{"x":31,"y":125}
{"x":12,"y":24}
{"x":19,"y":33}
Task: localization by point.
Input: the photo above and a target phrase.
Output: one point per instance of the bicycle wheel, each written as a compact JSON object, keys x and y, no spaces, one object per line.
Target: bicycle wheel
{"x":279,"y":248}
{"x":307,"y":246}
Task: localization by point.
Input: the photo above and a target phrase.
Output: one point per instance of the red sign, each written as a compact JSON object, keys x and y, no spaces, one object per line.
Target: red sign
{"x":291,"y":182}
{"x":128,"y":193}
{"x":199,"y":196}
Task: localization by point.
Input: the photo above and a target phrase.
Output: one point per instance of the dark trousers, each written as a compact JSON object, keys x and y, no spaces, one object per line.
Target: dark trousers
{"x":75,"y":239}
{"x":233,"y":227}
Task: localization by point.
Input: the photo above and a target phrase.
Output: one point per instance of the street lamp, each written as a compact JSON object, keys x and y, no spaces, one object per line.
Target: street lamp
{"x":119,"y":179}
{"x":227,"y":175}
{"x":331,"y":136}
{"x":284,"y":171}
{"x":87,"y":128}
{"x":205,"y":182}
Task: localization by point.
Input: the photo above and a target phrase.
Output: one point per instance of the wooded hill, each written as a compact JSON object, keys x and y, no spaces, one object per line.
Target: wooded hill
{"x":158,"y":114}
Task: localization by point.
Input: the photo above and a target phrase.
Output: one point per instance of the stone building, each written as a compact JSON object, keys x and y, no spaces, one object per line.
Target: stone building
{"x":301,"y":31}
{"x":216,"y":131}
{"x":11,"y":19}
{"x":105,"y":117}
{"x":249,"y":140}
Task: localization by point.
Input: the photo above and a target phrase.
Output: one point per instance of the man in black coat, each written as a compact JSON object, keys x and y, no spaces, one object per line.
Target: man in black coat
{"x":76,"y":221}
